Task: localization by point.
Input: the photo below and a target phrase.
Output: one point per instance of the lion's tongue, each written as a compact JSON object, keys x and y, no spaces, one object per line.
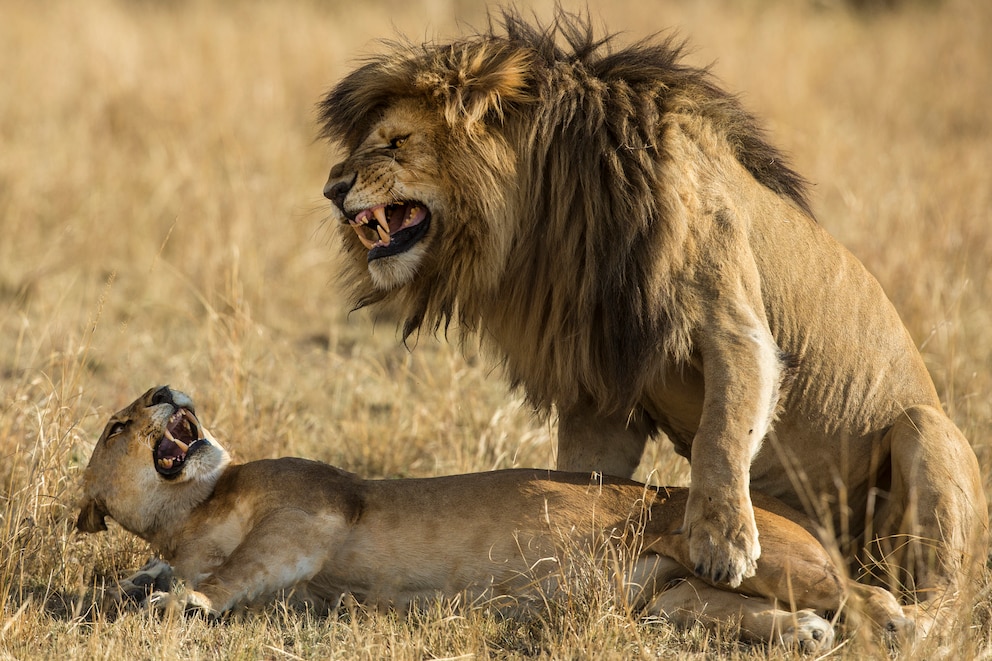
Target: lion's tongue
{"x":404,"y":216}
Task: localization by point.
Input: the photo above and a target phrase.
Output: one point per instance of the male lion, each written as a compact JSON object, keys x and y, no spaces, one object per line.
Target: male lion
{"x":618,"y":229}
{"x":241,"y":532}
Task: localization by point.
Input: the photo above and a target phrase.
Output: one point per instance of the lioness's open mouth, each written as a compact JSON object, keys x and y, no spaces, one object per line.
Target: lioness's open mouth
{"x":181,"y":439}
{"x":390,"y":229}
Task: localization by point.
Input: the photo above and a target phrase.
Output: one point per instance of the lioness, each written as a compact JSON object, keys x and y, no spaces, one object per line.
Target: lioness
{"x":237,"y":533}
{"x":619,"y":231}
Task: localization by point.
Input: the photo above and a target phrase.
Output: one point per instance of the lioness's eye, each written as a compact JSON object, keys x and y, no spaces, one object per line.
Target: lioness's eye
{"x":398,"y":141}
{"x":116,"y":428}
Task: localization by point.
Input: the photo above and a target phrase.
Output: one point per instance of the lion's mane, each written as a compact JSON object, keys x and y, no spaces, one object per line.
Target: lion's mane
{"x":568,"y":236}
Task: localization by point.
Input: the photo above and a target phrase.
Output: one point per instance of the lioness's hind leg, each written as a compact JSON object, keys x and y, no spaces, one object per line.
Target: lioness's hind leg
{"x":878,"y":608}
{"x":934,"y":526}
{"x":759,"y":619}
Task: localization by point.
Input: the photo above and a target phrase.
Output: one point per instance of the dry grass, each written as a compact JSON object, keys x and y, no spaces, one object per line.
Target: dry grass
{"x":161,"y":217}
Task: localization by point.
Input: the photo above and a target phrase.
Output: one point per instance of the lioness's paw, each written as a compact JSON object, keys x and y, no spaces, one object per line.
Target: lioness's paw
{"x":131,"y":592}
{"x":810,"y":633}
{"x":154,"y":576}
{"x":722,"y":548}
{"x":171,"y":604}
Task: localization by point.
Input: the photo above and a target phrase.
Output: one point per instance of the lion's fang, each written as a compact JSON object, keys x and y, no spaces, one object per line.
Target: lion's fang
{"x":380,"y":215}
{"x":383,"y":235}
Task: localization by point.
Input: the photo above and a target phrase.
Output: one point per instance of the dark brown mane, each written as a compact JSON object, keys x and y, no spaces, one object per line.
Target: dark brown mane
{"x":654,"y":63}
{"x":591,"y":176}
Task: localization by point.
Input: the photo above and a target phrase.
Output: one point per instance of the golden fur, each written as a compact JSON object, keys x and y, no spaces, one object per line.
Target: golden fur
{"x":241,"y":533}
{"x":640,"y":259}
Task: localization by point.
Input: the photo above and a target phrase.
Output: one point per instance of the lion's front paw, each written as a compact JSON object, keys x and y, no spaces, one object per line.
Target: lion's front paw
{"x":723,"y":548}
{"x":810,"y":633}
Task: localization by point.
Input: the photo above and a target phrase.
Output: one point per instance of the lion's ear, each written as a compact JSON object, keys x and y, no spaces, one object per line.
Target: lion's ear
{"x":484,"y":82}
{"x":92,"y":516}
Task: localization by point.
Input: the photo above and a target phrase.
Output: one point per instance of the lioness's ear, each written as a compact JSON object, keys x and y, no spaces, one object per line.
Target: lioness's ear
{"x":92,"y":516}
{"x":482,"y":81}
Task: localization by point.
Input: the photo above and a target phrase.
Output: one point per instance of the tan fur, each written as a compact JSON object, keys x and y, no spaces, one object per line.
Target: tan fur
{"x":241,"y":533}
{"x":639,"y":258}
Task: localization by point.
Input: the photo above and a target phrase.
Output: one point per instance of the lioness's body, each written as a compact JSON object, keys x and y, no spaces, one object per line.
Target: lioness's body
{"x":241,"y":532}
{"x":640,"y":259}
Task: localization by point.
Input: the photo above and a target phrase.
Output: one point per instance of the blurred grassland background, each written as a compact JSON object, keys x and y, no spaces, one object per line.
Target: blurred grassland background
{"x":161,"y":221}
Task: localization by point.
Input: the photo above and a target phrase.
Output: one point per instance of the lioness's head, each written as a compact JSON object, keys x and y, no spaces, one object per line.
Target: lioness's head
{"x":152,"y":464}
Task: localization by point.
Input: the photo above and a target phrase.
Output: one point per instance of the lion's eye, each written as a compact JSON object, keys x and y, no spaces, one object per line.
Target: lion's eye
{"x":398,"y":141}
{"x":116,"y":428}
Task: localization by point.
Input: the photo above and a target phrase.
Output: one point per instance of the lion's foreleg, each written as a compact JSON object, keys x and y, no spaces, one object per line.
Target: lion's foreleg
{"x":612,"y":444}
{"x":742,"y":372}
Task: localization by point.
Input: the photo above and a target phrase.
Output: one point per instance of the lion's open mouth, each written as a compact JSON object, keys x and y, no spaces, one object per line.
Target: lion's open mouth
{"x":390,"y":229}
{"x":181,"y":439}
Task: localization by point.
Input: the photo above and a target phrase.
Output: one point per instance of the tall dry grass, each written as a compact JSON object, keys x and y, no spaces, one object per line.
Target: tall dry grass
{"x":161,"y":222}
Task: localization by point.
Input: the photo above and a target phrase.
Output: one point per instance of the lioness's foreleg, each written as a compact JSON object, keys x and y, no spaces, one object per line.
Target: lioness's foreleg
{"x":611,"y":445}
{"x":759,"y":619}
{"x":932,"y":531}
{"x":742,"y":373}
{"x":273,"y":556}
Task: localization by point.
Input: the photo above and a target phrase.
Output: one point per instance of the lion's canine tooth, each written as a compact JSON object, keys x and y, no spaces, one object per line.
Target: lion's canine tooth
{"x":383,"y":235}
{"x":361,"y":237}
{"x":380,"y":215}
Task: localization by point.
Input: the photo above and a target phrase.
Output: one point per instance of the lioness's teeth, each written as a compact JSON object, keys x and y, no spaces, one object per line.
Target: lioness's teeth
{"x":182,"y":446}
{"x":165,"y":463}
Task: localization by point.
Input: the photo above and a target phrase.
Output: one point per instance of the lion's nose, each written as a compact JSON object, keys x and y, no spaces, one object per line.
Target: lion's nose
{"x":337,"y":187}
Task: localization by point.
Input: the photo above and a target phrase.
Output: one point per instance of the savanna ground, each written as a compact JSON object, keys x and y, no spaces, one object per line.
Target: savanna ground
{"x":162,"y":222}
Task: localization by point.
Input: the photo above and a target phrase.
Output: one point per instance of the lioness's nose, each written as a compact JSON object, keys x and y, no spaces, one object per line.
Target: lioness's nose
{"x":162,"y":396}
{"x":337,"y":186}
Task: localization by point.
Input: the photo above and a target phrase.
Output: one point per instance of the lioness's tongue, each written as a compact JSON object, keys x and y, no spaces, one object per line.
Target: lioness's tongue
{"x":171,"y":448}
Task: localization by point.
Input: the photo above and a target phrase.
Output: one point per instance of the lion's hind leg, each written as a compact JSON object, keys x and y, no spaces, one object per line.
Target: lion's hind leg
{"x":758,"y":619}
{"x":932,"y":530}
